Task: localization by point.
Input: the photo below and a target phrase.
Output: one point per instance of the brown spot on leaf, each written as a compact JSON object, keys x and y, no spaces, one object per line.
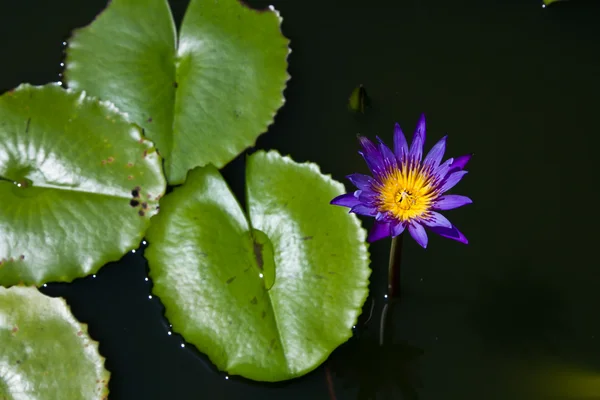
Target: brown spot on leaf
{"x":15,"y":329}
{"x":253,"y":301}
{"x":12,"y":259}
{"x":319,"y":276}
{"x":141,"y":213}
{"x":145,"y":153}
{"x":307,"y":237}
{"x":129,"y":164}
{"x":175,"y":85}
{"x":258,"y":254}
{"x":230,"y":280}
{"x":134,"y":203}
{"x":150,"y":119}
{"x":145,"y":206}
{"x":263,"y":314}
{"x":136,"y":191}
{"x":130,"y":177}
{"x":103,"y":162}
{"x":22,"y":257}
{"x":79,"y":333}
{"x":110,"y":159}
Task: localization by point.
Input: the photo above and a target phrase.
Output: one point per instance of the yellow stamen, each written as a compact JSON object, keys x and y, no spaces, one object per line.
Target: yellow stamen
{"x":407,"y":192}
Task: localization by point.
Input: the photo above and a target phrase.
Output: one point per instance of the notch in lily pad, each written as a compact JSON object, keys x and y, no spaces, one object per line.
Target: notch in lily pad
{"x":268,"y":293}
{"x":218,"y":81}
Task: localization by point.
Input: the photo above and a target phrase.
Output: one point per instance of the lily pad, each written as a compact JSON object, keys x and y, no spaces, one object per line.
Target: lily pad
{"x":45,"y":353}
{"x":202,"y":97}
{"x":268,"y":299}
{"x":78,"y":185}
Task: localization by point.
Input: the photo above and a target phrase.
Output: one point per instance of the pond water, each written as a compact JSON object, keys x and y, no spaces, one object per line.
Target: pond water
{"x":512,"y":315}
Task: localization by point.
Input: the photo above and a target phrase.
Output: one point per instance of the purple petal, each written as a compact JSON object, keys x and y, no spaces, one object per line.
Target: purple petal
{"x":441,"y":171}
{"x":452,"y":180}
{"x":421,"y":126}
{"x":416,"y":146}
{"x":400,"y":144}
{"x":436,"y":219}
{"x":345,"y":200}
{"x":388,"y":156}
{"x":363,"y":209}
{"x":451,"y":233}
{"x":460,"y":162}
{"x":397,"y":227}
{"x":434,"y":157}
{"x":380,"y":230}
{"x":361,"y":181}
{"x":371,"y":155}
{"x":418,"y":233}
{"x":366,"y":196}
{"x":451,"y":201}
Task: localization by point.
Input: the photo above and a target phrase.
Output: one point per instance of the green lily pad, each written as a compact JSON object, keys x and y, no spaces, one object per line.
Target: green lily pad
{"x":45,"y":353}
{"x":203,"y":97}
{"x":78,"y":185}
{"x":271,"y":299}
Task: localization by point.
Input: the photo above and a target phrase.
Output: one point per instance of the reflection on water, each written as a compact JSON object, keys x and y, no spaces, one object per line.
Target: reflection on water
{"x":375,"y":364}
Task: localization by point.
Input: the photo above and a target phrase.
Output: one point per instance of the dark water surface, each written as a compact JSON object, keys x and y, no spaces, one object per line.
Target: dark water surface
{"x":513,"y":315}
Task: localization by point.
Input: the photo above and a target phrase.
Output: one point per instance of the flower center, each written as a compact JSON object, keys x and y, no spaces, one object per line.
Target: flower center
{"x":406,"y":193}
{"x":406,"y":199}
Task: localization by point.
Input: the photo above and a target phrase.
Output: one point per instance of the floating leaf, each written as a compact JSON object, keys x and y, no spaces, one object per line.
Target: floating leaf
{"x":214,"y":273}
{"x":78,"y":185}
{"x":45,"y":353}
{"x":202,"y":101}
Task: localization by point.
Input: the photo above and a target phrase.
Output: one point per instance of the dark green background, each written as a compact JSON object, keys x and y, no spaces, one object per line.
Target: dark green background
{"x":515,"y":83}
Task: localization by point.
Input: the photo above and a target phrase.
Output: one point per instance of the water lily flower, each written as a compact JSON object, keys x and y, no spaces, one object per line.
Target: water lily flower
{"x":406,"y":191}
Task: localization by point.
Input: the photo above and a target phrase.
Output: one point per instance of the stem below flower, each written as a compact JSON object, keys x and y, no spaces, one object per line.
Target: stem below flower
{"x":393,"y":287}
{"x":393,"y":290}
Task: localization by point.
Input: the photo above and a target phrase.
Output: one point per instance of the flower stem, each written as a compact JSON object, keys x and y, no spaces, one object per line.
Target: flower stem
{"x":393,"y":287}
{"x":393,"y":290}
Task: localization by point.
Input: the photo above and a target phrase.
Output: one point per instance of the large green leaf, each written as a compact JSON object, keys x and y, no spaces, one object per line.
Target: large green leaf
{"x":45,"y":353}
{"x":202,"y":101}
{"x":268,"y":302}
{"x":78,"y":185}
